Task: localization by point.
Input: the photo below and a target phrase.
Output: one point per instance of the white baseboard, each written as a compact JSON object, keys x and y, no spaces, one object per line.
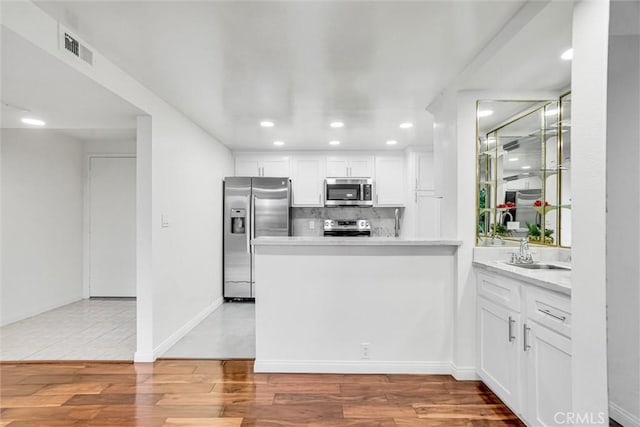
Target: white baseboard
{"x":464,"y":373}
{"x":351,"y":367}
{"x":184,"y":330}
{"x":143,"y":357}
{"x":39,"y":310}
{"x":622,"y":416}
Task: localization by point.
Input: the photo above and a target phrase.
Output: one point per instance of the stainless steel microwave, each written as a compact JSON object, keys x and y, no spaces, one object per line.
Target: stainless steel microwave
{"x":348,"y":192}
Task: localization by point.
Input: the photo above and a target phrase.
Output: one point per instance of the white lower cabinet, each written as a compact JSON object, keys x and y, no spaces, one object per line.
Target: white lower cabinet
{"x":548,"y":362}
{"x":524,"y":347}
{"x":499,"y":346}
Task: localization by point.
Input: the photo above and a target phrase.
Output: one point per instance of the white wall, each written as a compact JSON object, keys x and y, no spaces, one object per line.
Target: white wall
{"x":455,"y":136}
{"x":113,"y":147}
{"x":395,"y":298}
{"x":588,"y":213}
{"x":42,"y":189}
{"x":623,"y":227}
{"x":187,"y":166}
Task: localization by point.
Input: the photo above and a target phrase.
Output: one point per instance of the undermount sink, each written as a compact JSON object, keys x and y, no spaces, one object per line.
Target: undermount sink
{"x":539,"y":266}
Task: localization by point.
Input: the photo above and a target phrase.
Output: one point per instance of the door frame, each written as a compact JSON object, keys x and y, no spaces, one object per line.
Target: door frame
{"x":86,"y":217}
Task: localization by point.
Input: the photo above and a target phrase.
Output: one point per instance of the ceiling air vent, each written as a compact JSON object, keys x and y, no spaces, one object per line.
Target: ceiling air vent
{"x":75,"y":47}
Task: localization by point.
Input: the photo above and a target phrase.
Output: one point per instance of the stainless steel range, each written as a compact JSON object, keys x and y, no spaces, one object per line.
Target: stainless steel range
{"x":357,"y":227}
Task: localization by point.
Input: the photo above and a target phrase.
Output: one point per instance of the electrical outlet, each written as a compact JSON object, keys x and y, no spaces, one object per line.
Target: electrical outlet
{"x":312,"y":225}
{"x":364,"y":350}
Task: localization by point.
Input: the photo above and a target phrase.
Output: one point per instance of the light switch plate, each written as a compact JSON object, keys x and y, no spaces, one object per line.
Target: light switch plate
{"x":164,"y":220}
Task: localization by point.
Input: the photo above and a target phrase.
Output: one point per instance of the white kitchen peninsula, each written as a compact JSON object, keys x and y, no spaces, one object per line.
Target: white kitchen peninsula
{"x":354,"y":305}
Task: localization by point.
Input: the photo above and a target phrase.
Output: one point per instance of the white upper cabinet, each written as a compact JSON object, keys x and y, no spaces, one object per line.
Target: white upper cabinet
{"x":351,"y":166}
{"x":269,"y":166}
{"x":389,"y":181}
{"x":361,"y":167}
{"x":307,"y":180}
{"x":247,"y":167}
{"x":424,"y":172}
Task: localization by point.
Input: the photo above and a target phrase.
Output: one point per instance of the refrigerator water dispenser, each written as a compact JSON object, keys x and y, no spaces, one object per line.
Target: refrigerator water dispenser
{"x":238,"y":221}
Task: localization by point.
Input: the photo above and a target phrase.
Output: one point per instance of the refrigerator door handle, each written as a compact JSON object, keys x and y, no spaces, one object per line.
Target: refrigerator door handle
{"x":249,"y":226}
{"x":253,"y":222}
{"x":251,"y":248}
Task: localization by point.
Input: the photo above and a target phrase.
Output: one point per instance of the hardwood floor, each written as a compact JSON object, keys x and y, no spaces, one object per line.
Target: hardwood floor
{"x":196,"y":393}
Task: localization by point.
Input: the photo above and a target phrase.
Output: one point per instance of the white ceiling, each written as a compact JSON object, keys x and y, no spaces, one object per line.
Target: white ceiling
{"x":229,"y":65}
{"x":530,"y":60}
{"x":36,"y":84}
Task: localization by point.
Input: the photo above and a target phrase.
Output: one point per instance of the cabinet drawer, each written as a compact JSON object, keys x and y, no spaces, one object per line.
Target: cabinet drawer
{"x":501,"y":290}
{"x":549,"y":309}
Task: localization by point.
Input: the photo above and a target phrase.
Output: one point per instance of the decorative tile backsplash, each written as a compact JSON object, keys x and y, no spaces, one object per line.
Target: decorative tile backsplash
{"x":382,"y":220}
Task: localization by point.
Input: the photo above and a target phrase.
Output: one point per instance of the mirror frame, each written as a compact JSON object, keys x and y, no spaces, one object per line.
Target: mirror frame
{"x":538,"y":105}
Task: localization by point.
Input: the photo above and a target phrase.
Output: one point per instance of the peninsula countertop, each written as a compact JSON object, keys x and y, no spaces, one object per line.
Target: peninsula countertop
{"x":554,"y":280}
{"x":350,"y":241}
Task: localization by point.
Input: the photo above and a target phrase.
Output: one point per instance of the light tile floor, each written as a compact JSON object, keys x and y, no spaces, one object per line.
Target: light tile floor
{"x":227,"y":333}
{"x":92,"y":329}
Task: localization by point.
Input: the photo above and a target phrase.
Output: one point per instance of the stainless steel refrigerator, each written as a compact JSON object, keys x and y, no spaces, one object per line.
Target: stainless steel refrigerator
{"x":253,"y":207}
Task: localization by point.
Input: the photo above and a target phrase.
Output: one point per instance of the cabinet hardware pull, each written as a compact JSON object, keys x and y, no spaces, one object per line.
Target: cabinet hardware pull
{"x":417,"y":187}
{"x":549,"y":313}
{"x":511,"y":336}
{"x":525,"y":337}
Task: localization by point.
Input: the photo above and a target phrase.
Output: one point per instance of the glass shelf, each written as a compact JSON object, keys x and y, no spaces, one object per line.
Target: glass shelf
{"x":539,"y":209}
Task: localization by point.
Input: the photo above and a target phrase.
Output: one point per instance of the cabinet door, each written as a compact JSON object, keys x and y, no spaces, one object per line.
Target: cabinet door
{"x":307,"y":181}
{"x":427,"y":215}
{"x":247,"y":167}
{"x":337,"y":167}
{"x":389,"y":181}
{"x":424,"y":172}
{"x":276,"y":167}
{"x":548,"y":361}
{"x":498,"y":351}
{"x":361,"y":167}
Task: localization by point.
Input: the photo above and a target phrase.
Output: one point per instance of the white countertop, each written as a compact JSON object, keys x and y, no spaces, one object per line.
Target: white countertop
{"x":554,"y":280}
{"x":349,"y":241}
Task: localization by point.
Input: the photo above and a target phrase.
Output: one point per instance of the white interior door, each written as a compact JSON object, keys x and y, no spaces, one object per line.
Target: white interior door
{"x":112,"y":193}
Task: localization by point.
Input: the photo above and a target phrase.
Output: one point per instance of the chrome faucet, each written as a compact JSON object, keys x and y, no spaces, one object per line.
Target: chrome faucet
{"x":397,"y":223}
{"x":510,"y":216}
{"x":500,"y":238}
{"x":524,"y":257}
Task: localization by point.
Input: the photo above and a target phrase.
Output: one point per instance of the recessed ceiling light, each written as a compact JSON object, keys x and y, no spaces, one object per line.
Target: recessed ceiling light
{"x":406,"y":125}
{"x":336,"y":125}
{"x":484,"y":113}
{"x":278,"y":143}
{"x":32,"y":121}
{"x":513,"y":159}
{"x":392,"y":142}
{"x":551,"y":112}
{"x":526,"y":167}
{"x":334,"y":142}
{"x":267,"y":124}
{"x":567,"y":55}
